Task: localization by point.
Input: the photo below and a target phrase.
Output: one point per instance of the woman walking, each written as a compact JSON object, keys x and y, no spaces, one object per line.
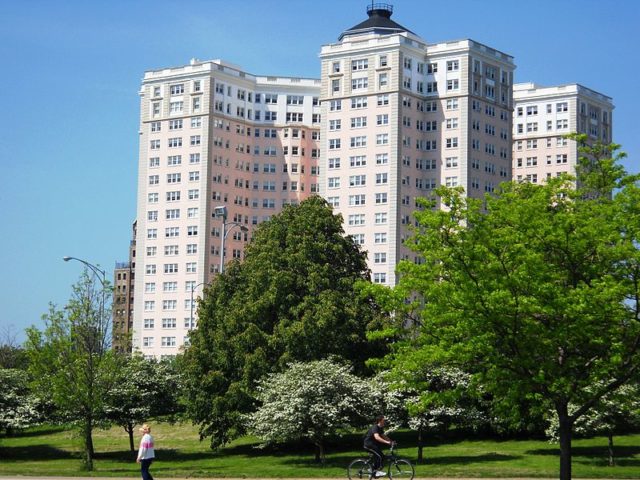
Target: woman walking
{"x":146,"y":453}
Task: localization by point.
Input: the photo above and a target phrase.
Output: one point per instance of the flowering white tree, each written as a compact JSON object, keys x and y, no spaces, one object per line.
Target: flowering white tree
{"x":311,"y":401}
{"x":614,"y":414}
{"x":432,"y":399}
{"x":18,"y":406}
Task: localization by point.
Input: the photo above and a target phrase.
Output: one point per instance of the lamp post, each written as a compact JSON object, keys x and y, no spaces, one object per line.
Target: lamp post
{"x":221,"y":212}
{"x":192,"y":290}
{"x":100,"y":275}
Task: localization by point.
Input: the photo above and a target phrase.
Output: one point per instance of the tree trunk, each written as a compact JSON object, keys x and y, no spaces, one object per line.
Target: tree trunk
{"x":88,"y":445}
{"x":420,"y":445}
{"x":565,"y":442}
{"x":612,"y":461}
{"x":319,"y":451}
{"x":129,"y":429}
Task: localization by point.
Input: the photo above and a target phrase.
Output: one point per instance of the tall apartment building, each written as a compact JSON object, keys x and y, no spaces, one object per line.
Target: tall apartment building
{"x":123,"y":298}
{"x":543,"y":115}
{"x":211,"y":135}
{"x":401,"y":116}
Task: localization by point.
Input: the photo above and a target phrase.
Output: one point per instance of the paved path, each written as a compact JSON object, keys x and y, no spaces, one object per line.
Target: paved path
{"x":198,"y":478}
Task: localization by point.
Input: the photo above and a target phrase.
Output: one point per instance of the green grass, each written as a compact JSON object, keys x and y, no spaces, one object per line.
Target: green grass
{"x":56,"y":451}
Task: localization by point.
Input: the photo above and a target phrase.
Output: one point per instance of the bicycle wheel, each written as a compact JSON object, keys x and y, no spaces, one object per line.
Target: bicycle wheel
{"x":359,"y":469}
{"x":401,"y":468}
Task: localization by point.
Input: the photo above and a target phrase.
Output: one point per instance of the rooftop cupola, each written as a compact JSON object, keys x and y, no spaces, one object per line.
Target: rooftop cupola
{"x":379,"y":22}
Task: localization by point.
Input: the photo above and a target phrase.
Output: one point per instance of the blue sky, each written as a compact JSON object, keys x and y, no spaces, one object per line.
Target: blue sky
{"x":71,"y":71}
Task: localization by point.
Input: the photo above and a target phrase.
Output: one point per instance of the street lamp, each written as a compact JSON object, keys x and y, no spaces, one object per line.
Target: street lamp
{"x":221,"y":212}
{"x":99,"y":273}
{"x":192,"y":290}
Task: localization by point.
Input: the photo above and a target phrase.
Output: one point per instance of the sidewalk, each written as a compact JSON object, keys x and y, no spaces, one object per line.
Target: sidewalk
{"x":17,"y":477}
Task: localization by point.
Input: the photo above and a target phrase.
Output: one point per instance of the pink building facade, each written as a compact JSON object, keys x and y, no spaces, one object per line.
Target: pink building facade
{"x":211,"y":135}
{"x":543,"y":115}
{"x":400,"y":117}
{"x":391,"y":118}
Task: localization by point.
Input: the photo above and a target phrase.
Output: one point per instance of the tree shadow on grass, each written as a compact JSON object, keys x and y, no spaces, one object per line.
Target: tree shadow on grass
{"x":596,"y":455}
{"x":35,"y":432}
{"x":342,"y":461}
{"x":40,"y":452}
{"x":469,"y":459}
{"x":168,"y":454}
{"x":592,"y":451}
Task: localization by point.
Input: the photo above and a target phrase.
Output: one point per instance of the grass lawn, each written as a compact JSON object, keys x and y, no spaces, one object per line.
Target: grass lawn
{"x":56,"y":451}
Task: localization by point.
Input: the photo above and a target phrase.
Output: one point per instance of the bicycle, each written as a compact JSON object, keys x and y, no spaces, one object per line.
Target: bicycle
{"x":362,"y":468}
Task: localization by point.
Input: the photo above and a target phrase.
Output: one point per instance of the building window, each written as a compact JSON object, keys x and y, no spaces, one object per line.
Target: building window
{"x":383,"y":100}
{"x":382,"y":159}
{"x":453,"y":65}
{"x":382,"y":178}
{"x":357,"y":142}
{"x":359,"y":83}
{"x":333,"y":182}
{"x":380,"y":237}
{"x":357,"y":180}
{"x":168,"y":323}
{"x":361,"y":64}
{"x":176,"y":107}
{"x":358,"y":122}
{"x":357,"y":200}
{"x":381,"y":198}
{"x":380,"y":257}
{"x":379,"y":278}
{"x":359,"y":102}
{"x":381,"y":218}
{"x":356,"y":219}
{"x":177,"y":89}
{"x":170,"y":268}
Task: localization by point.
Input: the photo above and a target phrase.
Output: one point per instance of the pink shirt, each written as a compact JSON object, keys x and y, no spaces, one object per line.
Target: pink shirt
{"x":146,"y":448}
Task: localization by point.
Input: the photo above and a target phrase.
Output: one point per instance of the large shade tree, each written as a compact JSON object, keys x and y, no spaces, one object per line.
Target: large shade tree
{"x":534,"y":290}
{"x":71,"y":362}
{"x":291,"y":299}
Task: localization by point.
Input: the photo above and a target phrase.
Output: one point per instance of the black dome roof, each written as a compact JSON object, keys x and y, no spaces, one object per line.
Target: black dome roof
{"x":379,"y":21}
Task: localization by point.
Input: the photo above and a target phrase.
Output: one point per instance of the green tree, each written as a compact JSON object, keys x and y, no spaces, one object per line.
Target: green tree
{"x":12,"y":355}
{"x":70,"y":360}
{"x":291,"y":299}
{"x":143,"y":389}
{"x":534,"y":291}
{"x":311,"y":401}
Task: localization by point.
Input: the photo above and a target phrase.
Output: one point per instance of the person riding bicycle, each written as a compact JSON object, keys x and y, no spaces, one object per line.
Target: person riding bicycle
{"x":373,"y":441}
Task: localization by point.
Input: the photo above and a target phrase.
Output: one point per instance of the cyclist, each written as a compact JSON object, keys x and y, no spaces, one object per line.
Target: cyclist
{"x":373,"y":441}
